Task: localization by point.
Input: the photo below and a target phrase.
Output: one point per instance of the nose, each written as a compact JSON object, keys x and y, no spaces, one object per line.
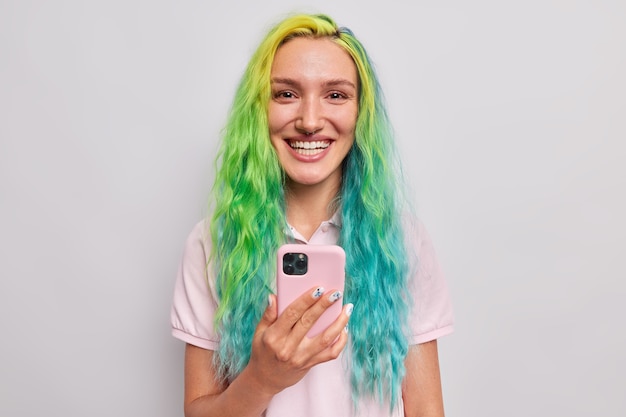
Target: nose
{"x":310,"y":116}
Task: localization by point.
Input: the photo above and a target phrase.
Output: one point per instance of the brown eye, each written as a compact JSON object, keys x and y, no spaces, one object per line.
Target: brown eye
{"x":337,"y":97}
{"x":285,"y":94}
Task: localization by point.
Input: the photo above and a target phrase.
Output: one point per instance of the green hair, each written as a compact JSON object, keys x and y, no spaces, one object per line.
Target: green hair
{"x":249,"y":220}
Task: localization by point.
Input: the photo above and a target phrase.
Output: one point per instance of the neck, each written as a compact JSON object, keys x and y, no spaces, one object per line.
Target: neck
{"x":309,"y":205}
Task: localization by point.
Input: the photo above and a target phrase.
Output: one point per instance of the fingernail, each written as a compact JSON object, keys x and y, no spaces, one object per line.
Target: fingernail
{"x":269,"y":300}
{"x":349,"y":308}
{"x":335,"y":296}
{"x":318,"y":292}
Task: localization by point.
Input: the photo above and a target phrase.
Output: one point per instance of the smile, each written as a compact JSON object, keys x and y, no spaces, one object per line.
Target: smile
{"x":309,"y":148}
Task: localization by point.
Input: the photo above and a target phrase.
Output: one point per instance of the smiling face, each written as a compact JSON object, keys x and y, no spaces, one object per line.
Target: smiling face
{"x":313,"y":110}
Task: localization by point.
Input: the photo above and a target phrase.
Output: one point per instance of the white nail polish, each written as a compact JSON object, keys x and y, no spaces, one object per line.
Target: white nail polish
{"x":349,"y":308}
{"x":335,"y":296}
{"x":318,"y":292}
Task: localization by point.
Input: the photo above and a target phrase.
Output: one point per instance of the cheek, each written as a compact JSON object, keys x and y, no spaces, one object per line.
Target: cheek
{"x":277,"y":117}
{"x":272,"y":117}
{"x":349,"y":122}
{"x":272,"y":124}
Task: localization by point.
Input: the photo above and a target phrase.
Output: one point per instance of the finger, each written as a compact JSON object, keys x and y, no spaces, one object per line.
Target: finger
{"x":294,"y":311}
{"x":331,"y":352}
{"x":326,"y":346}
{"x":269,"y":315}
{"x":310,"y":317}
{"x":330,"y":336}
{"x":333,"y":340}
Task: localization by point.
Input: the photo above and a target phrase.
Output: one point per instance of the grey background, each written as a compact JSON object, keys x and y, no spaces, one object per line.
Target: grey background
{"x":511,"y":119}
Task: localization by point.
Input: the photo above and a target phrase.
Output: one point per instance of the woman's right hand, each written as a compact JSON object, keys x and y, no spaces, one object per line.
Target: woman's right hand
{"x":281,"y":356}
{"x":281,"y":353}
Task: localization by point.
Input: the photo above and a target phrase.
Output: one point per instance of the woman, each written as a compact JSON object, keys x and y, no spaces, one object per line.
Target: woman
{"x":307,"y":156}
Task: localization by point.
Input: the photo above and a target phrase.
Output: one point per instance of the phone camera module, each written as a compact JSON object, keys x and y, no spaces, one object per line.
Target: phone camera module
{"x":295,"y":263}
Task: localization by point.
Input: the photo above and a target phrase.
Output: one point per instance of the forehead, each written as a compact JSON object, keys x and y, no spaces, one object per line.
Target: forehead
{"x":313,"y":58}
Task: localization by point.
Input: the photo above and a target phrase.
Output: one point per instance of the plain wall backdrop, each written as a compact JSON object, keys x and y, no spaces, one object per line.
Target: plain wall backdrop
{"x":511,"y":117}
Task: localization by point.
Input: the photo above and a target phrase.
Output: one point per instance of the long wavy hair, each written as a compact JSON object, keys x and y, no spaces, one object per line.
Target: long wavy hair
{"x":249,"y":221}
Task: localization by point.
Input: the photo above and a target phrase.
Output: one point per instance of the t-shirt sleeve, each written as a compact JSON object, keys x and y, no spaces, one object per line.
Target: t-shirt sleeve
{"x":432,"y":315}
{"x":194,"y":303}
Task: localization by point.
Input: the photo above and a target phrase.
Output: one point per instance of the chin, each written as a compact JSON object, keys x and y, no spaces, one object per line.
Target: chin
{"x":307,"y":179}
{"x":313,"y":177}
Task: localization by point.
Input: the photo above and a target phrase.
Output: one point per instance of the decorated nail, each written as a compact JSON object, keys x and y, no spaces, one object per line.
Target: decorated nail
{"x":318,"y":292}
{"x":335,"y":296}
{"x":349,"y":308}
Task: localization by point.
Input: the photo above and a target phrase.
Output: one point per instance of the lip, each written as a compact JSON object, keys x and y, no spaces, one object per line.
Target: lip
{"x":307,"y":146}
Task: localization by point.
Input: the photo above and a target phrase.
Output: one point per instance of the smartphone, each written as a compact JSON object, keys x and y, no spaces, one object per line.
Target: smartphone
{"x":301,"y":267}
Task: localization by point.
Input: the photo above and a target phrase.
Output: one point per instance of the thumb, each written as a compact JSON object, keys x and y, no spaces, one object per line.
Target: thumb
{"x":267,"y":319}
{"x":271,"y":312}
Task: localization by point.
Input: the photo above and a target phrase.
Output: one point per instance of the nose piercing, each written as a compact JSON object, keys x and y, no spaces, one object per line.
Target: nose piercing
{"x":306,"y":132}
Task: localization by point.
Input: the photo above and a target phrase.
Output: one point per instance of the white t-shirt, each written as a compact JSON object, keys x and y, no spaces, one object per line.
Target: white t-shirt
{"x":325,"y":390}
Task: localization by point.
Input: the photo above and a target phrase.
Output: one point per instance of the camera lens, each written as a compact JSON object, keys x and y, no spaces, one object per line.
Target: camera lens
{"x":289,"y":257}
{"x":288,"y":269}
{"x":301,"y":264}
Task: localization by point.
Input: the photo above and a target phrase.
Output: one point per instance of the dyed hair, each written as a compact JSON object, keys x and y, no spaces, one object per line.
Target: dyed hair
{"x":249,"y":220}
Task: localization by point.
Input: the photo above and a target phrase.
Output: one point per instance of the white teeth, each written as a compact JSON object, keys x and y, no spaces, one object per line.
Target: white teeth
{"x":317,"y":144}
{"x":309,"y":147}
{"x":309,"y":152}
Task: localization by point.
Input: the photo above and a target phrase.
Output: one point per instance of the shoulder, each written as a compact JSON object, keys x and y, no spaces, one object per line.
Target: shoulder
{"x":417,"y":238}
{"x":432,"y":315}
{"x":198,"y":242}
{"x":195,"y":300}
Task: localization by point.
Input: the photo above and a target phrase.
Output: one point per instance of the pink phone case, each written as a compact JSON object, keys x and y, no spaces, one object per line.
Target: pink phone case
{"x":325,"y":268}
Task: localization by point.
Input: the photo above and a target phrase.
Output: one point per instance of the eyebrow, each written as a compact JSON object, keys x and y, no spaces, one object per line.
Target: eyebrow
{"x":329,"y":83}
